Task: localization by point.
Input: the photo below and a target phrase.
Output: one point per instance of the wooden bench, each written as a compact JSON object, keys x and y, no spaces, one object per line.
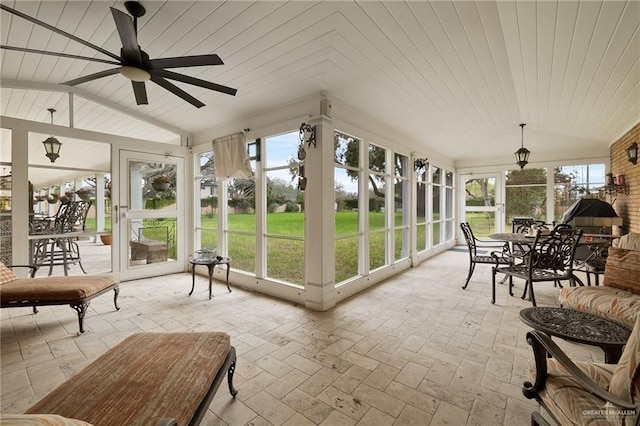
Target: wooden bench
{"x":147,"y":379}
{"x":76,"y":292}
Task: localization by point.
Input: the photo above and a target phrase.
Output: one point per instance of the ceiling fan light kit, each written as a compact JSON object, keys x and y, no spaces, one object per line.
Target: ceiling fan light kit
{"x":133,"y":63}
{"x":135,"y":74}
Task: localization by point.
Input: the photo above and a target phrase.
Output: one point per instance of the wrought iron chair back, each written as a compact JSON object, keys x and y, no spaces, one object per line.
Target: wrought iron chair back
{"x":52,"y":225}
{"x":470,"y":238}
{"x":521,"y":225}
{"x":554,"y":252}
{"x":500,"y":255}
{"x":62,"y":249}
{"x":549,"y":258}
{"x":83,"y":211}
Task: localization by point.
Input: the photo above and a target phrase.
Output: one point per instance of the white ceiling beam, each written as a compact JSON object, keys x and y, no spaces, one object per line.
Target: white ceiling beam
{"x":52,"y":87}
{"x":68,"y":132}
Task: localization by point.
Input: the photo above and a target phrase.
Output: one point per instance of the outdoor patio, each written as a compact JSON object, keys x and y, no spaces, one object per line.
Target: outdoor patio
{"x":415,"y":349}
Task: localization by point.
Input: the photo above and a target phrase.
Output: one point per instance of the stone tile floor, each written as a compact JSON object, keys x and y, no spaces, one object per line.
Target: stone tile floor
{"x":414,"y":350}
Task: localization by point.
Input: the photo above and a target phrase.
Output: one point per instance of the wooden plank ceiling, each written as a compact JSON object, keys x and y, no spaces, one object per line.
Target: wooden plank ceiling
{"x":453,"y":77}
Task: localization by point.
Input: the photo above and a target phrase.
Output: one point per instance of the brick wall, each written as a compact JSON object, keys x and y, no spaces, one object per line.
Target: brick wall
{"x":627,"y":206}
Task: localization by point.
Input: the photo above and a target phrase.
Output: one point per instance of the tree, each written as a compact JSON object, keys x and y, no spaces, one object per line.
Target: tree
{"x":279,"y":192}
{"x":207,"y":170}
{"x":347,"y":153}
{"x":242,"y":193}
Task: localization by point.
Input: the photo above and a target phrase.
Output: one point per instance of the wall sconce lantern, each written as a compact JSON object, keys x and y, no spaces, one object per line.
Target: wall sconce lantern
{"x":308,"y":134}
{"x":51,"y":144}
{"x":632,"y":153}
{"x":522,"y":155}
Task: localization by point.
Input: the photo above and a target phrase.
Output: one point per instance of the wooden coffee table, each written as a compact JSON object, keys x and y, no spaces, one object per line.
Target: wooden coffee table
{"x":579,"y":327}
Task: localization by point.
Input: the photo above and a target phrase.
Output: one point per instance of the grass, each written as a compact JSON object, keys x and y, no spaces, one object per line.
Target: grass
{"x":285,"y":258}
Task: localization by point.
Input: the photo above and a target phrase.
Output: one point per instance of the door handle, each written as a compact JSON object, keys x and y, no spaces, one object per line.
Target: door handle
{"x":117,"y":208}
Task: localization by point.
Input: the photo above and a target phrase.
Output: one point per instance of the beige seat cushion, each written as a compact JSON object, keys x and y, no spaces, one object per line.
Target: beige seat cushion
{"x":53,"y":289}
{"x":568,"y":401}
{"x":625,"y":382}
{"x":631,"y":241}
{"x":609,"y":302}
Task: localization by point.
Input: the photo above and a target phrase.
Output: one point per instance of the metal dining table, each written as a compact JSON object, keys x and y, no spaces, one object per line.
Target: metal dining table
{"x":596,"y":242}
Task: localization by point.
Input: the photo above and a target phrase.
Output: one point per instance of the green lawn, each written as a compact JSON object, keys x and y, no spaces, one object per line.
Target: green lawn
{"x":285,"y":258}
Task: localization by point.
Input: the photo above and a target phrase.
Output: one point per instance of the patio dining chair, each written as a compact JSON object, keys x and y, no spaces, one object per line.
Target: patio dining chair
{"x":494,"y":257}
{"x":550,"y":258}
{"x":61,"y":249}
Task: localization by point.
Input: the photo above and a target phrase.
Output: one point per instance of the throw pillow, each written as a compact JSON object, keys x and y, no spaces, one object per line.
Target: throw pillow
{"x":625,"y":381}
{"x":6,"y":274}
{"x":623,"y":270}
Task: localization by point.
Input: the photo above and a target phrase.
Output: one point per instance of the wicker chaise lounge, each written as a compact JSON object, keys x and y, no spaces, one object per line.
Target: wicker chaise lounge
{"x":147,"y":379}
{"x":76,"y":292}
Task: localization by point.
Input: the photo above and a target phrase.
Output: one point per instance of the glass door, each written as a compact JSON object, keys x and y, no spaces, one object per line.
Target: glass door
{"x":150,"y":215}
{"x":483,"y":205}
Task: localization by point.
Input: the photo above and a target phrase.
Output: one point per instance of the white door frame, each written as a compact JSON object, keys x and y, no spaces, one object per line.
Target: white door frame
{"x":123,"y":214}
{"x":498,"y":209}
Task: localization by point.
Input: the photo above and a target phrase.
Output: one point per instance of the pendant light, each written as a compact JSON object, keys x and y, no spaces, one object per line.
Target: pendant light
{"x":522,"y":155}
{"x":51,"y":144}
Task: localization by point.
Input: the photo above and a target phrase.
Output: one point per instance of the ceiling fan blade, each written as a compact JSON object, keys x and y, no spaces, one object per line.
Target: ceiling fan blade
{"x":185,"y":61}
{"x":176,"y":91}
{"x":62,"y":55}
{"x":59,"y":31}
{"x":91,"y":77}
{"x":195,"y":81}
{"x":127,"y":32}
{"x":140,"y":92}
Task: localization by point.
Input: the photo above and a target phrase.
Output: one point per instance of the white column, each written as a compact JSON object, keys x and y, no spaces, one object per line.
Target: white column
{"x":100,"y":198}
{"x":20,"y":197}
{"x":319,"y":228}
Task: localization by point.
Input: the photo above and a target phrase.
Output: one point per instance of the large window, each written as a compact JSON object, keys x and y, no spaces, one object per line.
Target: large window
{"x":285,"y":210}
{"x":378,"y":179}
{"x":421,"y":170}
{"x":239,"y":237}
{"x":448,"y":207}
{"x":347,"y":174}
{"x":207,"y":217}
{"x":436,"y":197}
{"x":401,"y":204}
{"x":526,"y":194}
{"x":574,"y":182}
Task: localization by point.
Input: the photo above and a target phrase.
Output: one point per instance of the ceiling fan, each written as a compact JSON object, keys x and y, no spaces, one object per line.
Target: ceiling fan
{"x":133,"y":62}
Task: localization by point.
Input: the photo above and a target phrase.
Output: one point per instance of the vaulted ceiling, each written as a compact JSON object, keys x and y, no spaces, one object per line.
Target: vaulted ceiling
{"x":456,"y":77}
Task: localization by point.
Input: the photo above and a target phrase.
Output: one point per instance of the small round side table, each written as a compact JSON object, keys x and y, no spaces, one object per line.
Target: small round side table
{"x":210,"y":264}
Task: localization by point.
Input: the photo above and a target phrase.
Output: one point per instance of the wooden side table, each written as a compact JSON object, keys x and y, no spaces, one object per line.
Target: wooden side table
{"x":210,"y":264}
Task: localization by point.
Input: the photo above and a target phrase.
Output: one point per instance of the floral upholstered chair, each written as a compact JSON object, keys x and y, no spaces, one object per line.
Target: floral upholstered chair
{"x":584,"y":393}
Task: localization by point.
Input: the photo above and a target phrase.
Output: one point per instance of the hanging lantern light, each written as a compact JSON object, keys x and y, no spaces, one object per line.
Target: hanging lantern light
{"x":522,"y":155}
{"x":51,"y":144}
